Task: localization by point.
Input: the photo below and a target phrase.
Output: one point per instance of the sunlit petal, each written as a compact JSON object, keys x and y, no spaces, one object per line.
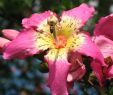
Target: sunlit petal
{"x":27,"y":43}
{"x":83,"y":44}
{"x":38,"y":21}
{"x":75,"y":18}
{"x":58,"y":71}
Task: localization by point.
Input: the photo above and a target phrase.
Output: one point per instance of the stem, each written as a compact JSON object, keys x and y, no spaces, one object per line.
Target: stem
{"x":100,"y":90}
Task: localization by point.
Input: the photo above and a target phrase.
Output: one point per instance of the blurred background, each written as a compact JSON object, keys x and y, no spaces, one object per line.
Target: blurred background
{"x":29,"y":77}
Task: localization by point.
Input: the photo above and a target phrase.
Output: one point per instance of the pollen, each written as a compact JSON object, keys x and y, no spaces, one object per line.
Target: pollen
{"x":69,"y":25}
{"x":60,"y":42}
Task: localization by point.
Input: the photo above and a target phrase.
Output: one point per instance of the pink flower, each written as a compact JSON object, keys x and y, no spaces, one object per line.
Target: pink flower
{"x":63,"y":42}
{"x":103,"y":38}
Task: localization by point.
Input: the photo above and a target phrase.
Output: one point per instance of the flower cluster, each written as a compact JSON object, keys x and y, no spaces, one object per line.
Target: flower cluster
{"x":64,"y":42}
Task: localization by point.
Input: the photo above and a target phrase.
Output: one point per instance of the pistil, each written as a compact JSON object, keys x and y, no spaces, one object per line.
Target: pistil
{"x":52,"y":21}
{"x":61,"y":41}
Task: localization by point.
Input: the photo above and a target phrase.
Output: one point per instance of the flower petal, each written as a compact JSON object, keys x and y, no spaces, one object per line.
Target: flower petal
{"x":76,"y":74}
{"x":83,"y":44}
{"x":27,"y":43}
{"x":109,"y":73}
{"x":58,"y":71}
{"x":105,"y":45}
{"x":35,"y":19}
{"x":10,"y":33}
{"x":38,"y":21}
{"x":97,"y":69}
{"x":77,"y":70}
{"x":75,"y":18}
{"x":105,"y":27}
{"x":3,"y":42}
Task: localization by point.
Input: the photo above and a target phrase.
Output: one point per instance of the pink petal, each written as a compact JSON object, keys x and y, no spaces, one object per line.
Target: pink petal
{"x":109,"y":73}
{"x":3,"y":41}
{"x":77,"y":74}
{"x":36,"y":19}
{"x":23,"y":45}
{"x":105,"y":45}
{"x":88,"y":48}
{"x":97,"y":69}
{"x":58,"y":71}
{"x":81,"y":13}
{"x":77,"y":70}
{"x":10,"y":34}
{"x":105,"y":27}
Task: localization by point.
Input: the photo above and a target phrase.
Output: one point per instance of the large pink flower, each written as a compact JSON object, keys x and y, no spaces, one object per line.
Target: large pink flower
{"x":103,"y":37}
{"x":62,"y":41}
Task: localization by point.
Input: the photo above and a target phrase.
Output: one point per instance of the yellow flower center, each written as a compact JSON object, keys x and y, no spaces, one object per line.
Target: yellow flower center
{"x":62,"y":30}
{"x":59,"y":33}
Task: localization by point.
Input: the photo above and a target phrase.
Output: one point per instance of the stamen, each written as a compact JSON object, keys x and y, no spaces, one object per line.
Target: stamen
{"x":80,"y":64}
{"x":108,"y":60}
